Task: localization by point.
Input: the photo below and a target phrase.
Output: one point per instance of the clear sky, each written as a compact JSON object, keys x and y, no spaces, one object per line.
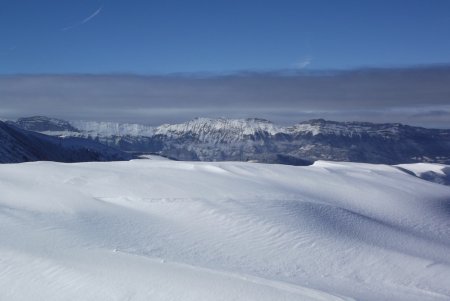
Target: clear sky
{"x":152,"y":37}
{"x":166,"y":61}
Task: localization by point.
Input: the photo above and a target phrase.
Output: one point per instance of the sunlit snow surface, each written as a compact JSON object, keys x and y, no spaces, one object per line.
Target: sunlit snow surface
{"x":167,"y":230}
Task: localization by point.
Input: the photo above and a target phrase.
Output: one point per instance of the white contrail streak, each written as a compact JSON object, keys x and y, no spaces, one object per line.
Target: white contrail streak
{"x":90,"y":17}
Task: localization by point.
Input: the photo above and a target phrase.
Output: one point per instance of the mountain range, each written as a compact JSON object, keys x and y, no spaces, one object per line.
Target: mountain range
{"x":252,"y":139}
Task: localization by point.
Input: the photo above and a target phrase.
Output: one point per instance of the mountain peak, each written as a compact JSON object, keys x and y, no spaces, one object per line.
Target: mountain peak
{"x":43,"y":123}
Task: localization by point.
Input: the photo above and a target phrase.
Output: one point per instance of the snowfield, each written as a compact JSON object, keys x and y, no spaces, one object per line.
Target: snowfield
{"x":167,"y":230}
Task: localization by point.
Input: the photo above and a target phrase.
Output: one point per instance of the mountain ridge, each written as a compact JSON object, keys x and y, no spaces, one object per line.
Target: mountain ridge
{"x":19,"y":145}
{"x":222,"y":139}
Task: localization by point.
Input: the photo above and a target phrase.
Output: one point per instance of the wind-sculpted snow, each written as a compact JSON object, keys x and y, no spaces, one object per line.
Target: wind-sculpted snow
{"x":167,"y":230}
{"x":437,"y":173}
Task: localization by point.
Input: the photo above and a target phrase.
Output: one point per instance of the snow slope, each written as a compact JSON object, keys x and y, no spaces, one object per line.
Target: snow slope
{"x":168,"y":230}
{"x":438,"y":173}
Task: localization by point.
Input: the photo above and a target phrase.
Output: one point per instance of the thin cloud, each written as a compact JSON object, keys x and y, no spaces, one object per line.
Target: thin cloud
{"x":303,"y":63}
{"x":418,"y":96}
{"x":84,"y":21}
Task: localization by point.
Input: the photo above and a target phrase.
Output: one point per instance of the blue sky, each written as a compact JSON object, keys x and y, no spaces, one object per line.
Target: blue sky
{"x":154,"y":62}
{"x":154,"y":37}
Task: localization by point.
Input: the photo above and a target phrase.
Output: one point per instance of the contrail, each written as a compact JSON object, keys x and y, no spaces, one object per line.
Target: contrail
{"x":93,"y":15}
{"x":85,"y":20}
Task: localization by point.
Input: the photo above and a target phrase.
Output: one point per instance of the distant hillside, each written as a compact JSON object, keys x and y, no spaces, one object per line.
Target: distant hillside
{"x":18,"y":145}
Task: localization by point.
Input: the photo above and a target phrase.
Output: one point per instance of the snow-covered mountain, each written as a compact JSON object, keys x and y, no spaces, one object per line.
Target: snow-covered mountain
{"x":168,"y":230}
{"x":260,"y":140}
{"x":18,"y":145}
{"x":42,"y":123}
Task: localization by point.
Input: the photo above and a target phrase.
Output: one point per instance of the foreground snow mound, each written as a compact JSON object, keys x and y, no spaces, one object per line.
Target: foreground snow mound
{"x":167,"y":230}
{"x":438,"y":173}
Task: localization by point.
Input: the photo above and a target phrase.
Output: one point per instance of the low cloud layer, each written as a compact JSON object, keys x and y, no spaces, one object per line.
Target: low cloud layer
{"x":419,"y":96}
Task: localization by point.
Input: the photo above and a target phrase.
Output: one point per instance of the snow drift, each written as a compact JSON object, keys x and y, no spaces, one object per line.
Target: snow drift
{"x":167,"y":230}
